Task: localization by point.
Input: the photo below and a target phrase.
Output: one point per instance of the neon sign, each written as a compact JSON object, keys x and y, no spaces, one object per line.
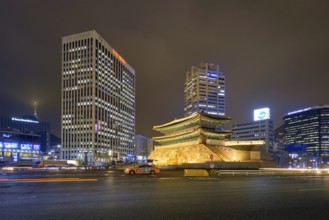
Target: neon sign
{"x":6,"y":135}
{"x":10,"y":145}
{"x":24,"y":120}
{"x":212,"y":75}
{"x":298,"y":111}
{"x":26,"y":146}
{"x":36,"y":147}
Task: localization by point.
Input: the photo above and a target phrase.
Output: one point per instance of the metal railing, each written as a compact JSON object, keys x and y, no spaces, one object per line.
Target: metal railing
{"x":270,"y":172}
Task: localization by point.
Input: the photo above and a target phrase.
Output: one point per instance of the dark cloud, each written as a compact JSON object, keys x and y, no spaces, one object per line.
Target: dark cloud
{"x":274,"y":53}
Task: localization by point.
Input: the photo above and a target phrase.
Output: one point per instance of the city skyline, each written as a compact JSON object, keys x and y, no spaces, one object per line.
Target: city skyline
{"x":273,"y":53}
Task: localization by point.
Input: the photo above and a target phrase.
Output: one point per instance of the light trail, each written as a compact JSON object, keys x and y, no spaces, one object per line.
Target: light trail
{"x":48,"y":180}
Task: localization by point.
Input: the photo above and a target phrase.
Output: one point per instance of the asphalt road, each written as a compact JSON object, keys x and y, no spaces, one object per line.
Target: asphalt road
{"x":169,"y":195}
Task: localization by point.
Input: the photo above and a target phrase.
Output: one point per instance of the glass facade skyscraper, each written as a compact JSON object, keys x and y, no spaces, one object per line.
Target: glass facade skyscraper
{"x":205,"y":90}
{"x":98,"y":100}
{"x":309,"y":126}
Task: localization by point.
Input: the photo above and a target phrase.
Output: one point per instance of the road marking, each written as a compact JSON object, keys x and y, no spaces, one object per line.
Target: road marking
{"x":51,"y":180}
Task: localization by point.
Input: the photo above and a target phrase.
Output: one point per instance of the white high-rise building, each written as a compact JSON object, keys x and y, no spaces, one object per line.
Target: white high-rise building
{"x":98,"y":100}
{"x":205,"y":90}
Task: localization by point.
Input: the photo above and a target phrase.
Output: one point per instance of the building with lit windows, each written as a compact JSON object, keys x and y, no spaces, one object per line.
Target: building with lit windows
{"x":29,"y":125}
{"x":144,"y":147}
{"x":280,"y":153}
{"x":16,"y":146}
{"x":98,"y":100}
{"x":261,"y":128}
{"x":309,"y":126}
{"x":205,"y":90}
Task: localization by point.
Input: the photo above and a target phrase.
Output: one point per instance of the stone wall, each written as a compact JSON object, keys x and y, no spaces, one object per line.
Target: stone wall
{"x":164,"y":156}
{"x":173,"y":155}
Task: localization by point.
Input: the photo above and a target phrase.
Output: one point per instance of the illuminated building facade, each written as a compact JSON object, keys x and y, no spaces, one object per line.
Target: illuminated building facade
{"x":309,"y":126}
{"x":280,"y":154}
{"x":261,"y":128}
{"x":98,"y":100}
{"x":16,"y":146}
{"x":28,"y":125}
{"x":255,"y":130}
{"x":205,"y":90}
{"x":195,"y":140}
{"x":143,"y":147}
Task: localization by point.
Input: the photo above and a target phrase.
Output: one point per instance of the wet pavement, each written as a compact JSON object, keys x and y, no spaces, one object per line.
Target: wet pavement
{"x":169,"y":195}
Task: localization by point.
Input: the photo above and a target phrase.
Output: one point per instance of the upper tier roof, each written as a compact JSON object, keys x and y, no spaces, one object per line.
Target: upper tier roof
{"x":199,"y":115}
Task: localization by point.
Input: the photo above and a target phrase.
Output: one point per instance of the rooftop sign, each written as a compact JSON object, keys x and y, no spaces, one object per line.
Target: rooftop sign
{"x":261,"y":114}
{"x":24,"y":120}
{"x":298,"y":111}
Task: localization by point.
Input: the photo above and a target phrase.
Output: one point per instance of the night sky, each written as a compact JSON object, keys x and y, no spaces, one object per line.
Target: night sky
{"x":274,"y":53}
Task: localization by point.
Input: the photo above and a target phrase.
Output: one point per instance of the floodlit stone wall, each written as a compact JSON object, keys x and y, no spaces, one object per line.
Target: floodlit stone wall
{"x":255,"y":155}
{"x":164,"y":156}
{"x":200,"y":153}
{"x":215,"y":142}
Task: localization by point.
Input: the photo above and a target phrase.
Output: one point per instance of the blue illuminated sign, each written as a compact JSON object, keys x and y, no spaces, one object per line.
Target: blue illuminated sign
{"x":26,"y":146}
{"x":6,"y":135}
{"x":296,"y":148}
{"x":24,"y":120}
{"x":212,"y":75}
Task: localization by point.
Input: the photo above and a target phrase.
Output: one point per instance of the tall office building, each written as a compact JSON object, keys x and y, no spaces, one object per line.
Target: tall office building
{"x":309,"y":126}
{"x":98,"y":100}
{"x":205,"y":90}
